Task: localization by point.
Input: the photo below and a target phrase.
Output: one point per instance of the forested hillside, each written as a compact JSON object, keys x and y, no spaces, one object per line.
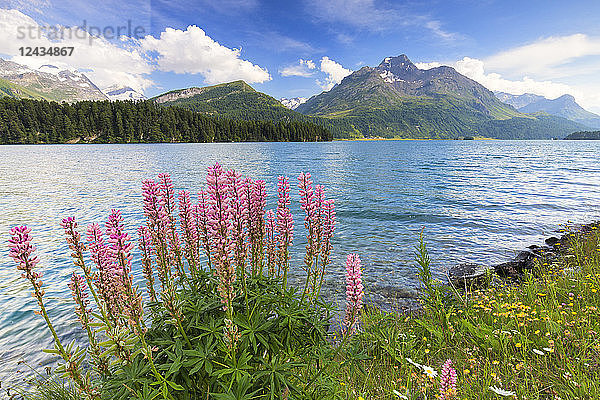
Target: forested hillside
{"x":35,"y":121}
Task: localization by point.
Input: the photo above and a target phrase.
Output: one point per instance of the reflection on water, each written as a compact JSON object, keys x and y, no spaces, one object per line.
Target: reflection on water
{"x":478,"y":201}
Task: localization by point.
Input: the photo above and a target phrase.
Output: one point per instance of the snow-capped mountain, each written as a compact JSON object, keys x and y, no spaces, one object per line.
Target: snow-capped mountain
{"x":116,"y":92}
{"x":564,"y":106}
{"x":51,"y":82}
{"x":293,"y":103}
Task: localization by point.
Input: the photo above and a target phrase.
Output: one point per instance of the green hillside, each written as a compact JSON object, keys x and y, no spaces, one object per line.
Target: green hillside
{"x":396,"y":99}
{"x":9,"y":89}
{"x":236,"y":100}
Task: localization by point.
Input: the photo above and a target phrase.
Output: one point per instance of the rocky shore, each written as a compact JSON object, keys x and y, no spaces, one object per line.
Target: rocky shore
{"x":470,"y":275}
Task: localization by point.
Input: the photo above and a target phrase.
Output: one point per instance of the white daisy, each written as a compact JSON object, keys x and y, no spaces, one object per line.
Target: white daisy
{"x":502,"y":392}
{"x":538,"y":352}
{"x":430,"y":372}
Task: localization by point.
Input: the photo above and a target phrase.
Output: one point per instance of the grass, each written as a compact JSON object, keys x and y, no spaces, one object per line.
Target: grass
{"x":535,"y":339}
{"x":538,"y":339}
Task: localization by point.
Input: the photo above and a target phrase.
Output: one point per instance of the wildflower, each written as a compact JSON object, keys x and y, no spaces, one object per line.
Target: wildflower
{"x":538,"y":352}
{"x":189,"y":230}
{"x":285,"y":224}
{"x":79,"y":292}
{"x":238,"y":213}
{"x":548,"y":349}
{"x":502,"y":392}
{"x":220,"y":233}
{"x":256,"y":221}
{"x":467,"y":371}
{"x":447,"y":381}
{"x":518,"y":345}
{"x":271,"y":242}
{"x":354,"y":291}
{"x":21,"y":251}
{"x":430,"y":372}
{"x":145,"y":245}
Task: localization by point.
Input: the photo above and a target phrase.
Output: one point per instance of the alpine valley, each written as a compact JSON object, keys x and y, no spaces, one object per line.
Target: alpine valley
{"x":393,"y":100}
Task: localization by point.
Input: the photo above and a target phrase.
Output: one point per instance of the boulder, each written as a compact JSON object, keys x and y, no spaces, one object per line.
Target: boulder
{"x":469,"y":275}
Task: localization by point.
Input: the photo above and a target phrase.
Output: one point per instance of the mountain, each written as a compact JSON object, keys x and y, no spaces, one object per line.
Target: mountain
{"x":51,"y":82}
{"x":236,"y":100}
{"x":564,"y":106}
{"x":518,"y":100}
{"x":584,"y":136}
{"x":397,"y":99}
{"x":9,"y":89}
{"x":292,"y":103}
{"x":116,"y":92}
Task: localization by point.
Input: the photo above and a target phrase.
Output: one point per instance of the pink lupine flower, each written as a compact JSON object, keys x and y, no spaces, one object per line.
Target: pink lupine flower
{"x":238,"y":214}
{"x":157,"y":221}
{"x":79,"y":292}
{"x":189,"y":230}
{"x":168,"y":201}
{"x":120,"y":249}
{"x":271,"y":242}
{"x":74,"y":241}
{"x":285,"y":223}
{"x":327,"y":230}
{"x":21,"y":250}
{"x":201,"y":217}
{"x":220,"y":232}
{"x":107,"y":283}
{"x":257,"y":222}
{"x":308,"y":204}
{"x":354,"y":292}
{"x":145,"y":245}
{"x":318,"y":215}
{"x":447,"y":381}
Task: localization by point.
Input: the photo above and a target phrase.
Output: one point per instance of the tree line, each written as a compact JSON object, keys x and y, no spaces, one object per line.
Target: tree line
{"x":28,"y":121}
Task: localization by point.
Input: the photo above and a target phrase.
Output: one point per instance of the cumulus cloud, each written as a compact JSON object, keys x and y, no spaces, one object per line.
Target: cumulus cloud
{"x":105,"y":63}
{"x":192,"y":51}
{"x":428,"y":65}
{"x":304,"y":68}
{"x":334,"y":71}
{"x":475,"y":69}
{"x":543,"y":56}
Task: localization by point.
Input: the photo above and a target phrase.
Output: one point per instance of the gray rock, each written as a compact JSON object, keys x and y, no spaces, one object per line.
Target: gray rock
{"x":469,"y":275}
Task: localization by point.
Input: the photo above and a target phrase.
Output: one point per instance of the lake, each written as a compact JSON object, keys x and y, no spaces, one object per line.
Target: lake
{"x":479,"y":201}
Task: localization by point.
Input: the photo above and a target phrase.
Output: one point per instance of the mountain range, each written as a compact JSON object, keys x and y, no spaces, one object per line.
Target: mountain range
{"x":397,"y":99}
{"x":564,"y":106}
{"x":54,"y":84}
{"x":392,"y":100}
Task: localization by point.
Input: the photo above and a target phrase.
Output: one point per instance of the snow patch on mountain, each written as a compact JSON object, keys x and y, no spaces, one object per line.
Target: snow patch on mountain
{"x":293,"y":103}
{"x":115,"y":93}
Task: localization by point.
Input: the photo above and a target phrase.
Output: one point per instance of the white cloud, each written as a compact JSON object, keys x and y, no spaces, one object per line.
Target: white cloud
{"x":436,"y":28}
{"x":303,"y":68}
{"x":193,"y":51}
{"x":334,"y":71}
{"x":428,"y":65}
{"x":543,"y":56}
{"x":106,"y":63}
{"x":374,"y":16}
{"x":475,"y":69}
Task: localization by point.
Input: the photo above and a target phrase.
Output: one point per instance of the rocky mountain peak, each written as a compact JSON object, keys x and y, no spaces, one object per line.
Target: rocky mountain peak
{"x":398,"y":65}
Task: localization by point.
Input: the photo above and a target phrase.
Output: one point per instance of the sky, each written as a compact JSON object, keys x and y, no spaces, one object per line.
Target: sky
{"x":301,"y":48}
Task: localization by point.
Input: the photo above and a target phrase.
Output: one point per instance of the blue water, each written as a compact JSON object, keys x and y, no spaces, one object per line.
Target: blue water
{"x":476,"y":200}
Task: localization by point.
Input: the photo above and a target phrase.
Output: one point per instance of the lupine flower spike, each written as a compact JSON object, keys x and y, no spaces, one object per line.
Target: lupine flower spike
{"x":354,"y":292}
{"x":447,"y":381}
{"x":285,"y":225}
{"x":21,"y":250}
